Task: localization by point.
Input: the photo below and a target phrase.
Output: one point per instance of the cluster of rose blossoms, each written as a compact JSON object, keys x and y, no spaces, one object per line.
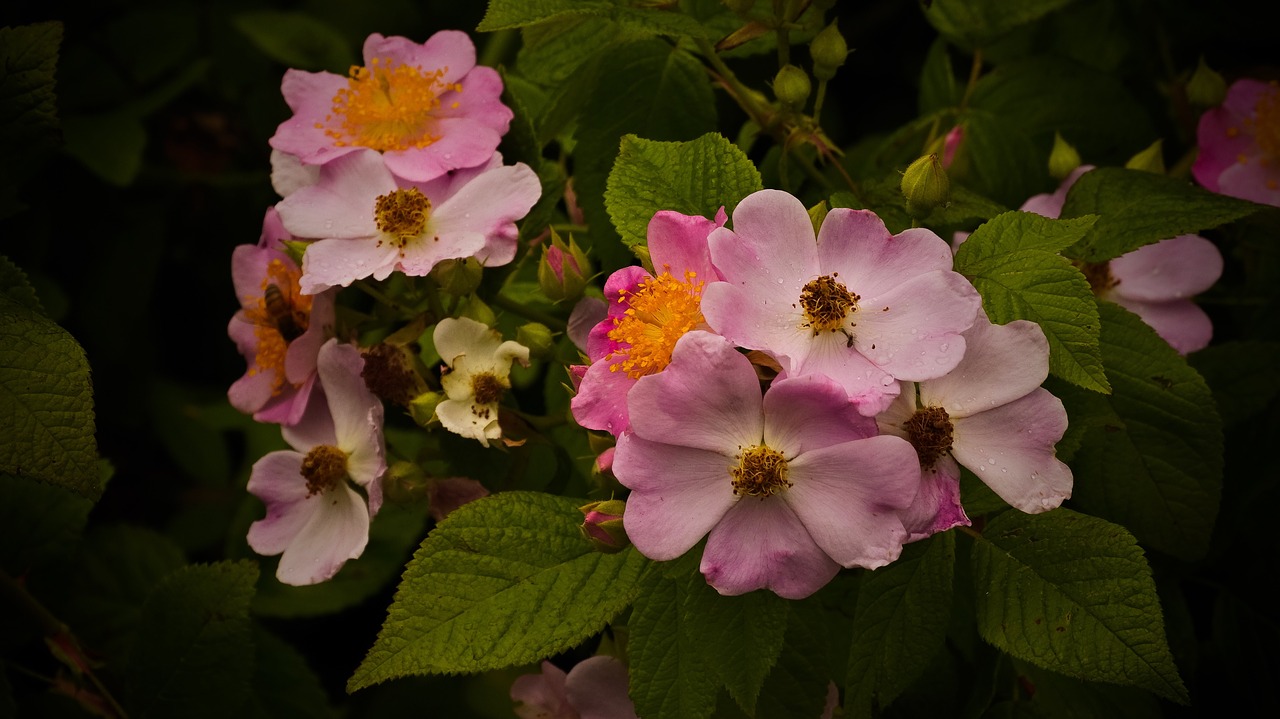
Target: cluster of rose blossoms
{"x":392,"y":168}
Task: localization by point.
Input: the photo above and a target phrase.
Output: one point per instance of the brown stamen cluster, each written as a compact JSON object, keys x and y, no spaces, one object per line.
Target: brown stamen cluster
{"x":761,"y":472}
{"x":389,"y":375}
{"x":487,"y":387}
{"x":402,"y":214}
{"x":826,"y":303}
{"x":1099,"y":276}
{"x":323,"y":467}
{"x":930,"y":432}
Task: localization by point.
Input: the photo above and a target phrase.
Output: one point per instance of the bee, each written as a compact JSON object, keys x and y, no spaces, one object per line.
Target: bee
{"x":280,"y":313}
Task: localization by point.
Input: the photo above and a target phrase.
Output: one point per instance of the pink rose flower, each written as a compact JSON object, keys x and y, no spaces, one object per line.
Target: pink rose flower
{"x":859,"y":305}
{"x":788,"y":487}
{"x":278,"y":329}
{"x":646,"y":316}
{"x":595,"y":688}
{"x":368,"y":224}
{"x":1240,"y":143}
{"x":427,"y":108}
{"x":316,"y":520}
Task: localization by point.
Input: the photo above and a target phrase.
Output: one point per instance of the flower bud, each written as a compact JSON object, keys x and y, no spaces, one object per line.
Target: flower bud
{"x":1206,"y":87}
{"x":603,"y":467}
{"x":537,"y":338}
{"x":1063,"y":158}
{"x":563,"y":271}
{"x":602,"y":525}
{"x":295,"y":249}
{"x":458,"y":276}
{"x":404,"y":481}
{"x":828,"y":51}
{"x":1149,"y":160}
{"x":423,"y":407}
{"x":792,"y":86}
{"x":925,"y":185}
{"x":475,"y":308}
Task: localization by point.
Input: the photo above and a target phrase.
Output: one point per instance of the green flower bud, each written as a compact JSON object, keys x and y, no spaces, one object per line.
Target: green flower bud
{"x":792,"y":86}
{"x":1149,"y":160}
{"x":1063,"y":158}
{"x":602,"y":525}
{"x":474,"y":308}
{"x":564,"y":269}
{"x":925,"y":185}
{"x":295,"y":249}
{"x":423,"y":407}
{"x":828,"y":51}
{"x":537,"y":338}
{"x":404,"y":482}
{"x":458,"y":276}
{"x":1206,"y":88}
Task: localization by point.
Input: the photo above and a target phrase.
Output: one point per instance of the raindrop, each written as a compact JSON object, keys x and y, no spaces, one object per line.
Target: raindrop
{"x":944,"y":347}
{"x":991,"y":461}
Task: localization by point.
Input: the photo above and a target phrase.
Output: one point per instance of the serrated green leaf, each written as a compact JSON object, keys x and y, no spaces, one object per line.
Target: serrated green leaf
{"x":46,"y":403}
{"x":1057,"y":697}
{"x":884,"y":197}
{"x":1154,"y":461}
{"x":670,"y":675}
{"x":1074,"y":594}
{"x":284,"y":687}
{"x":977,"y":22}
{"x":799,"y":682}
{"x":506,"y":14}
{"x":1242,"y":376}
{"x":1136,"y":208}
{"x":195,"y":656}
{"x":741,"y":637}
{"x":296,"y":39}
{"x":504,"y":580}
{"x":28,"y":106}
{"x":695,"y":178}
{"x":997,"y":158}
{"x":1012,"y":260}
{"x":900,"y":622}
{"x":38,"y":522}
{"x":552,"y":52}
{"x":109,"y":144}
{"x":16,"y":288}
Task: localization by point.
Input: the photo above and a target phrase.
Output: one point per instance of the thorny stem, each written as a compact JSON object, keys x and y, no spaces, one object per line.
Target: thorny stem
{"x":510,"y":305}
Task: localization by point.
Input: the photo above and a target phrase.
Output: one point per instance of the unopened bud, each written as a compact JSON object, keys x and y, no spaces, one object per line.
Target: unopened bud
{"x":1063,"y":158}
{"x":1149,"y":160}
{"x":537,"y":338}
{"x":423,"y":407}
{"x":1206,"y":87}
{"x":602,"y":525}
{"x":404,"y":481}
{"x":295,"y":249}
{"x":475,"y":308}
{"x":603,"y":467}
{"x":828,"y":51}
{"x":458,"y":276}
{"x":792,"y":86}
{"x":564,"y":269}
{"x":925,"y":185}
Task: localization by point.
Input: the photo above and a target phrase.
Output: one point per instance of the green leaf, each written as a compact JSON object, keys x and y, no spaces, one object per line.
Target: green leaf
{"x":28,"y":106}
{"x":506,"y":14}
{"x":38,"y":523}
{"x":194,"y":655}
{"x":46,"y":403}
{"x":977,"y":22}
{"x":799,"y":682}
{"x":998,"y":158}
{"x":1138,"y":208}
{"x":671,"y":677}
{"x":938,"y":89}
{"x":504,"y":580}
{"x":695,"y":178}
{"x":296,"y":39}
{"x":109,"y":144}
{"x":1242,"y":376}
{"x":741,"y":637}
{"x":884,"y":197}
{"x":1013,"y":262}
{"x":552,"y":52}
{"x":1056,"y":696}
{"x":1154,"y":461}
{"x":284,"y":687}
{"x":900,"y":622}
{"x":1074,"y":594}
{"x":16,"y":288}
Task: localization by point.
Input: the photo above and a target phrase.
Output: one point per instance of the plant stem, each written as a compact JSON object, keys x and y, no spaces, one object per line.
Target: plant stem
{"x":510,"y":305}
{"x":975,"y":72}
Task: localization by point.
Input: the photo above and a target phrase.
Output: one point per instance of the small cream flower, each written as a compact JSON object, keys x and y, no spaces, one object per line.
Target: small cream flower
{"x":479,"y":365}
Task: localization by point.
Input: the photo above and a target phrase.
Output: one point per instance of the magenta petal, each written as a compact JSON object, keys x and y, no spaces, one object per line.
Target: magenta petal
{"x":597,"y":688}
{"x":338,"y":530}
{"x":669,"y":511}
{"x":708,"y":397}
{"x":1181,"y":323}
{"x":310,"y":96}
{"x":601,"y":402}
{"x":807,"y":413}
{"x":1171,"y":269}
{"x":1011,"y":449}
{"x":678,"y":244}
{"x":1221,"y":141}
{"x":1001,"y":363}
{"x":849,"y":497}
{"x":762,"y":544}
{"x":937,"y":506}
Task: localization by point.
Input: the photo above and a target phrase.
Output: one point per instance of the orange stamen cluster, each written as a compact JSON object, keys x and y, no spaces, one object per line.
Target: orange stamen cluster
{"x":661,"y":310}
{"x":1266,"y":124}
{"x":387,"y":106}
{"x":278,"y":317}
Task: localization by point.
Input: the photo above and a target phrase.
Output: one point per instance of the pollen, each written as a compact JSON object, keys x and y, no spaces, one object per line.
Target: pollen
{"x":387,"y":106}
{"x":323,"y":467}
{"x":279,"y":316}
{"x":761,"y":472}
{"x":827,"y":303}
{"x":487,"y":387}
{"x":403,"y":214}
{"x":930,"y":432}
{"x":1099,"y":276}
{"x":660,"y":311}
{"x":1266,"y":123}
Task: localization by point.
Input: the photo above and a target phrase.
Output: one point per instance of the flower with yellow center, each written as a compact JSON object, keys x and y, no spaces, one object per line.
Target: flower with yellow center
{"x":478,"y":366}
{"x":660,"y":311}
{"x":1240,"y":143}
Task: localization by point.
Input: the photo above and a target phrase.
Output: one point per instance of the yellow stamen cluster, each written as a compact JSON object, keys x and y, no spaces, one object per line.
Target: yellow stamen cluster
{"x":387,"y":106}
{"x":279,"y":315}
{"x":323,"y":467}
{"x":761,"y":472}
{"x":403,"y":214}
{"x":1266,"y":124}
{"x":827,"y":303}
{"x":661,"y":311}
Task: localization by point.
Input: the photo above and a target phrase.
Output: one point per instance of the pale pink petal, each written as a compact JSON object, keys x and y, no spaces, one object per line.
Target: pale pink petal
{"x":918,"y":336}
{"x":722,"y":411}
{"x":450,"y":49}
{"x":772,"y":241}
{"x":419,"y":256}
{"x":1050,"y":205}
{"x":342,"y":203}
{"x":338,"y":530}
{"x":290,"y":405}
{"x":542,"y":696}
{"x":1011,"y":449}
{"x":288,"y":174}
{"x":310,"y":95}
{"x":338,"y":263}
{"x":756,"y":318}
{"x":761,"y":544}
{"x":1181,"y":323}
{"x":601,"y":402}
{"x":1171,"y":269}
{"x":849,"y":497}
{"x":891,"y":418}
{"x":300,"y":359}
{"x":678,"y":244}
{"x":1001,"y":364}
{"x":587,"y":313}
{"x":487,"y":207}
{"x":854,"y":245}
{"x":806,"y":413}
{"x":829,"y":355}
{"x":937,"y":506}
{"x":1253,"y":181}
{"x":277,"y":480}
{"x":479,"y":101}
{"x":669,"y":510}
{"x":314,"y":427}
{"x":597,"y":688}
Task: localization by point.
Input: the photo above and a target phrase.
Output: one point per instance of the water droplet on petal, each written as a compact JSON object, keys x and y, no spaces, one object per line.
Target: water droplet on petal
{"x":991,"y":461}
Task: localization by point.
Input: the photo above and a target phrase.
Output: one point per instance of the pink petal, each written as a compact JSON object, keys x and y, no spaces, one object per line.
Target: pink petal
{"x":1181,"y":323}
{"x":1011,"y":449}
{"x":669,"y":511}
{"x":310,"y":96}
{"x":937,"y":506}
{"x":772,"y":241}
{"x":277,"y":480}
{"x":762,"y":544}
{"x":461,"y":141}
{"x":870,"y":261}
{"x":1219,"y":145}
{"x":315,"y":427}
{"x":849,"y":497}
{"x":586,"y":315}
{"x":597,"y":688}
{"x":542,"y":696}
{"x":601,"y":402}
{"x":708,"y":397}
{"x":758,"y":318}
{"x":1050,"y":205}
{"x":338,"y":263}
{"x":485,"y":208}
{"x":289,"y":406}
{"x":342,"y":203}
{"x":1171,"y":269}
{"x":918,"y":337}
{"x":829,"y":355}
{"x":338,"y":530}
{"x":300,"y":359}
{"x":1253,"y":181}
{"x":807,"y":413}
{"x":1001,"y":363}
{"x":288,"y":174}
{"x":678,"y":243}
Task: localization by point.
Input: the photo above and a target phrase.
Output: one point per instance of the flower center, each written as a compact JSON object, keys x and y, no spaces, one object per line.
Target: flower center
{"x":929,"y":430}
{"x":487,"y":387}
{"x":660,"y":311}
{"x":1099,"y":276}
{"x":279,"y":316}
{"x":1266,"y":124}
{"x":386,"y":106}
{"x":402,"y":214}
{"x":761,"y":472}
{"x":827,"y":303}
{"x":323,"y":467}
